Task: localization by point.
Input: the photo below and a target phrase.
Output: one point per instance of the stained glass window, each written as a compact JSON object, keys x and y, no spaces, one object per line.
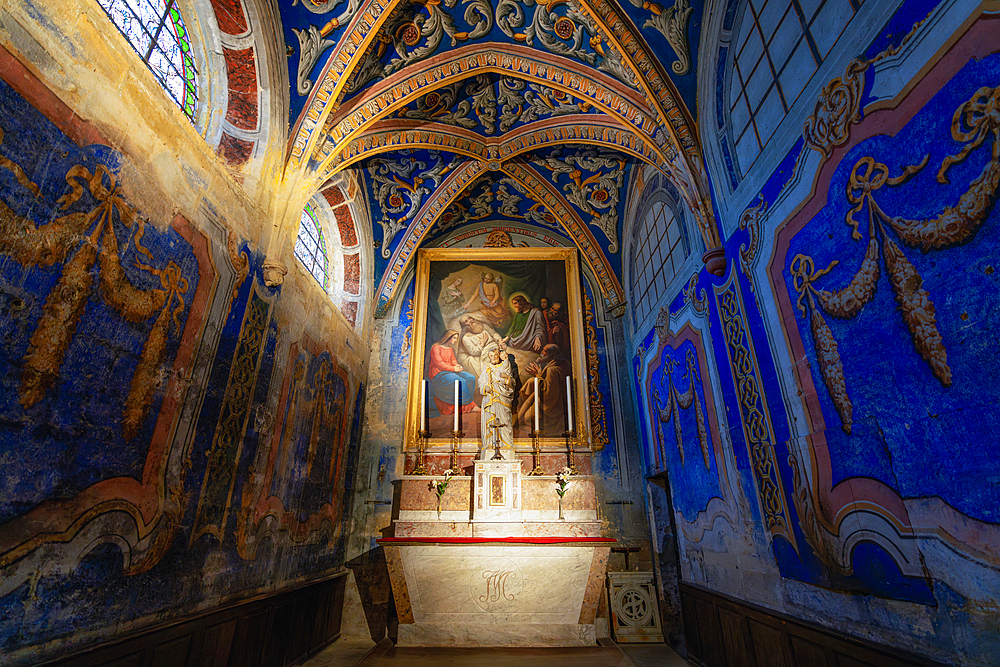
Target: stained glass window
{"x":157,"y":33}
{"x":658,"y":251}
{"x":310,"y":247}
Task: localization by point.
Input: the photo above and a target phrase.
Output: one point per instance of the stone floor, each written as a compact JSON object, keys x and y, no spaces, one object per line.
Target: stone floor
{"x":364,"y":653}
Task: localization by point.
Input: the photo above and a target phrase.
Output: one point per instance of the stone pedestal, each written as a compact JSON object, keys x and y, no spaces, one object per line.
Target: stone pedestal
{"x":497,"y":490}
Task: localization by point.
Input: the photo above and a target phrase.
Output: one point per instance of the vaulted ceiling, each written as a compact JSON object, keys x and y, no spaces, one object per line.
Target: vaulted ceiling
{"x":521,"y":110}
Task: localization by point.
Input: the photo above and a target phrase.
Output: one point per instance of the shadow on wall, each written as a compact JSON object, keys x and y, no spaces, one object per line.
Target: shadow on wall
{"x":372,"y":577}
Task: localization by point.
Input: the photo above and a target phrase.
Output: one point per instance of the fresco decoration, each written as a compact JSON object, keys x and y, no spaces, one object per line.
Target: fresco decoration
{"x":391,"y":94}
{"x":301,"y":491}
{"x":415,"y":32}
{"x":492,"y":104}
{"x":972,"y":124}
{"x":95,"y":304}
{"x":598,"y":413}
{"x":893,"y":255}
{"x":750,"y":252}
{"x":400,"y":183}
{"x":755,"y":414}
{"x":697,"y":300}
{"x":224,"y":454}
{"x":592,"y":180}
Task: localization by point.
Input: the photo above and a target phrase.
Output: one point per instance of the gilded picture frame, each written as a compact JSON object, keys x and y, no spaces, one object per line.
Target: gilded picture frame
{"x":432,"y":264}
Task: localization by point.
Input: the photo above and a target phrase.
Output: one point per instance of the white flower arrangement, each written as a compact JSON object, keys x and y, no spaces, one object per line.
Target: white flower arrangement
{"x":439,"y":486}
{"x":562,"y":479}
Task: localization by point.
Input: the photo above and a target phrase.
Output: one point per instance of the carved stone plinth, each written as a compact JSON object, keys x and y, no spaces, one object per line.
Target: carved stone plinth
{"x":496,"y":592}
{"x":635,"y":615}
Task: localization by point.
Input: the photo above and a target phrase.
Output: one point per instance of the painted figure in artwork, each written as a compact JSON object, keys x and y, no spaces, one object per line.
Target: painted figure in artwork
{"x":527,"y":331}
{"x":491,"y":302}
{"x":453,"y":299}
{"x":551,"y":368}
{"x":497,"y":386}
{"x":556,"y":322}
{"x":475,"y":338}
{"x":443,"y":370}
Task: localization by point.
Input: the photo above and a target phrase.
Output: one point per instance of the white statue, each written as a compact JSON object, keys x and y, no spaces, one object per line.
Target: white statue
{"x":496,"y":383}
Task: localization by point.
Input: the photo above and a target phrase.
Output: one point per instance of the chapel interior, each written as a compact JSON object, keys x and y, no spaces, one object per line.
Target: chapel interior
{"x":621,"y":332}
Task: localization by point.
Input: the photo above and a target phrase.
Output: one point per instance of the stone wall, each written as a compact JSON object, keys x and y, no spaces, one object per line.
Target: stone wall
{"x":179,"y":428}
{"x":825,"y":411}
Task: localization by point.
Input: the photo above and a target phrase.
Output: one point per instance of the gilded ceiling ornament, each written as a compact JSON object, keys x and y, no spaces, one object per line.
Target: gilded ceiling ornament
{"x":974,"y":121}
{"x":672,"y":23}
{"x":476,"y":207}
{"x":400,"y":186}
{"x":597,"y":194}
{"x":499,"y":239}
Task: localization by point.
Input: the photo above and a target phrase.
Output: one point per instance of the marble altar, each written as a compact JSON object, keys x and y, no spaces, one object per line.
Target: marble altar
{"x":498,"y":567}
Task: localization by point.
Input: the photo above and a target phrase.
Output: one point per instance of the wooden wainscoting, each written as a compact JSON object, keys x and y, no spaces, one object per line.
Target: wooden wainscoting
{"x":273,"y":630}
{"x":724,"y":632}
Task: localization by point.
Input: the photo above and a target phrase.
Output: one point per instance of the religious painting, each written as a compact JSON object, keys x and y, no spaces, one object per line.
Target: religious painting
{"x":498,"y":335}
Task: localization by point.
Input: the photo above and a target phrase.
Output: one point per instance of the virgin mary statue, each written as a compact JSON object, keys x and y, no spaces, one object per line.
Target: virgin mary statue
{"x":496,"y":383}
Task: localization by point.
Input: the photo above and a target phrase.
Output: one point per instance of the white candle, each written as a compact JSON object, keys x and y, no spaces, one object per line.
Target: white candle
{"x":423,"y":405}
{"x":536,"y":404}
{"x":569,"y":403}
{"x":456,"y":405}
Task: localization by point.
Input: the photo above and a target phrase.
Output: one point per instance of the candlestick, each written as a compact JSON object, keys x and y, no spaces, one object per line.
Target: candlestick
{"x":423,"y":405}
{"x":536,"y":403}
{"x":456,"y":406}
{"x":569,"y":404}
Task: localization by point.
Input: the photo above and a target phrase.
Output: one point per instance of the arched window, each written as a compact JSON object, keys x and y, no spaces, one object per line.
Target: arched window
{"x":779,"y":45}
{"x":658,"y":251}
{"x":157,"y":33}
{"x":310,"y":247}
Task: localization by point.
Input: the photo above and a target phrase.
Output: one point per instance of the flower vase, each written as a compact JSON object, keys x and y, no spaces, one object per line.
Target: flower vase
{"x":561,"y":518}
{"x":439,"y":508}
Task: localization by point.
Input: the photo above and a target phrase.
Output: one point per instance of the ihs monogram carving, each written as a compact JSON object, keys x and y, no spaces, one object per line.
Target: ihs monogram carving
{"x":496,"y":584}
{"x":975,"y":122}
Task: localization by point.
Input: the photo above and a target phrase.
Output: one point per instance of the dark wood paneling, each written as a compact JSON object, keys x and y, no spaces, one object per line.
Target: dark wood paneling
{"x":691,"y":628}
{"x":708,"y":626}
{"x":736,"y":638}
{"x":724,"y":632}
{"x":767,"y":644}
{"x":274,"y":630}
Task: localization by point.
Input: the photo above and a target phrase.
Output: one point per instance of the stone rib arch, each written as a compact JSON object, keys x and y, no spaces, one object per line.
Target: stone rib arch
{"x":559,"y":73}
{"x":453,"y":187}
{"x":392,"y":135}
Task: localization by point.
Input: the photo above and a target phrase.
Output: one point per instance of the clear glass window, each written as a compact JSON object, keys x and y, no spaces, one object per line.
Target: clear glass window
{"x":779,"y":46}
{"x":658,"y":252}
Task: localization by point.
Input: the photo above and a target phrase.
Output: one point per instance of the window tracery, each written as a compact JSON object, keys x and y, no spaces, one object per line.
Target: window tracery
{"x":156,"y":31}
{"x":778,"y":46}
{"x":311,"y":247}
{"x":657,"y":254}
